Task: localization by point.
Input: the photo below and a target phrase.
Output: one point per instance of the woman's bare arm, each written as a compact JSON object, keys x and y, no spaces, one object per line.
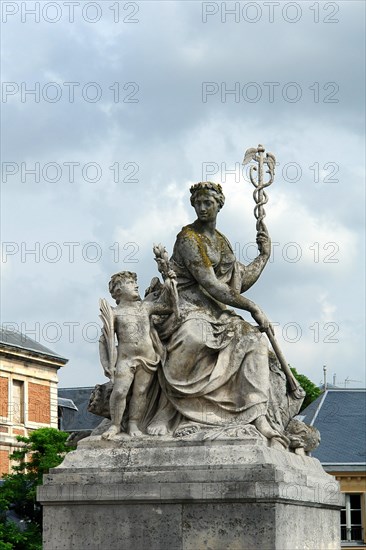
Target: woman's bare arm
{"x":250,"y":273}
{"x":198,"y":265}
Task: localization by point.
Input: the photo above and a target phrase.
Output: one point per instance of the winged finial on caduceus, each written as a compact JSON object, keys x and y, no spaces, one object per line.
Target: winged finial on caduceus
{"x":270,"y":160}
{"x":255,"y":154}
{"x":256,"y":175}
{"x":250,"y":154}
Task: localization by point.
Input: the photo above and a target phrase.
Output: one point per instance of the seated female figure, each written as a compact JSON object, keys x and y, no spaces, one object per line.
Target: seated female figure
{"x":216,"y":368}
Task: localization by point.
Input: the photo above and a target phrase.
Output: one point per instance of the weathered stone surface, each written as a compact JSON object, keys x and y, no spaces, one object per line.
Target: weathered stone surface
{"x":117,"y":527}
{"x":155,"y":495}
{"x":181,"y":360}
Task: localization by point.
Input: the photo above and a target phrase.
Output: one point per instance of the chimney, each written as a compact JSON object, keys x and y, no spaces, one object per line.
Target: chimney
{"x":325,"y":377}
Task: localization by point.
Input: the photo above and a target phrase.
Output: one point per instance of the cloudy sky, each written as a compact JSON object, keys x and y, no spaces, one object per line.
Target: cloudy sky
{"x":111,"y":110}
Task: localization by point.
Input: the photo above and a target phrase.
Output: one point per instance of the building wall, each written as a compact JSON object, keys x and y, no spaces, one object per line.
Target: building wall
{"x":28,"y":399}
{"x":354,"y":482}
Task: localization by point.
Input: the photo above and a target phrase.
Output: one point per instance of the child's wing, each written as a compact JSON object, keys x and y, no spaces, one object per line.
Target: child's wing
{"x":107,"y":344}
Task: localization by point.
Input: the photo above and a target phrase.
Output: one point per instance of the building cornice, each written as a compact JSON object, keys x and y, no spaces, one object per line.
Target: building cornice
{"x":12,"y":351}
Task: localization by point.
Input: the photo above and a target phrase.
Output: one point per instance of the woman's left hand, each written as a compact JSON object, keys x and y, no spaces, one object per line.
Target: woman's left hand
{"x":261,"y":319}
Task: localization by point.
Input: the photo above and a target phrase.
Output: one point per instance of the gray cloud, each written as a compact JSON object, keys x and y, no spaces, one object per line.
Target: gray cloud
{"x":169,"y":133}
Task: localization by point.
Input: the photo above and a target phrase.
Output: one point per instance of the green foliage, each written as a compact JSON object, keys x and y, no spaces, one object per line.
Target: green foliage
{"x":13,"y":538}
{"x":312,"y":391}
{"x":43,"y":449}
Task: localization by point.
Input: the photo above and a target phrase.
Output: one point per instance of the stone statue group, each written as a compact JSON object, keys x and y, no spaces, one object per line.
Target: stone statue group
{"x":181,"y":363}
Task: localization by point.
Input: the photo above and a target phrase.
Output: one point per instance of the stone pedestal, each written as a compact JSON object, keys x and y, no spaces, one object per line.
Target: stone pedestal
{"x":156,"y":494}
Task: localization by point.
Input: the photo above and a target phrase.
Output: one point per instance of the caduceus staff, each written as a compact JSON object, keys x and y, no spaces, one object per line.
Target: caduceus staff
{"x":261,"y":198}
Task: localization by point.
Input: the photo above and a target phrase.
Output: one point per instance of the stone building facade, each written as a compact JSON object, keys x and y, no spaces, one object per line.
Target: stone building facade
{"x":340,"y":416}
{"x":28,"y":390}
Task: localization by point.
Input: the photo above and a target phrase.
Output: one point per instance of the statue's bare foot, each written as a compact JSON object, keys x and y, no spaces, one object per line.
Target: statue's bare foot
{"x":263,"y":426}
{"x":133,"y":430}
{"x":157,"y":429}
{"x":111,"y":432}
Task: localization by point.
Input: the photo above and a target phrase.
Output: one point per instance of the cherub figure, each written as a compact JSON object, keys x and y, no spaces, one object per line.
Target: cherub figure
{"x":139,"y":350}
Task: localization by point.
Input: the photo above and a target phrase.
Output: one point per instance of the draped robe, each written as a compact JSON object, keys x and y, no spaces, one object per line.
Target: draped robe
{"x":216,"y":368}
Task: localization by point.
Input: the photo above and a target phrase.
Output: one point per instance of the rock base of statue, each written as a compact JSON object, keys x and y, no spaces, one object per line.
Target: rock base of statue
{"x":156,"y":494}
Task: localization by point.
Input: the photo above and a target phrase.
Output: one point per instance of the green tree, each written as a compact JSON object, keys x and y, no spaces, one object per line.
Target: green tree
{"x":312,"y":391}
{"x":43,"y":449}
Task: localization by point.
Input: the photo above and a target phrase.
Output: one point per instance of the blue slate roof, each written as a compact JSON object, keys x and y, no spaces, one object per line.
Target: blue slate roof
{"x":14,"y":339}
{"x":80,"y":419}
{"x":340,"y":416}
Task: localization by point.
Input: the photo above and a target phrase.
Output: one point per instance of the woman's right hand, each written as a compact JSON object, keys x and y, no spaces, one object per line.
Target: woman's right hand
{"x":264,"y":242}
